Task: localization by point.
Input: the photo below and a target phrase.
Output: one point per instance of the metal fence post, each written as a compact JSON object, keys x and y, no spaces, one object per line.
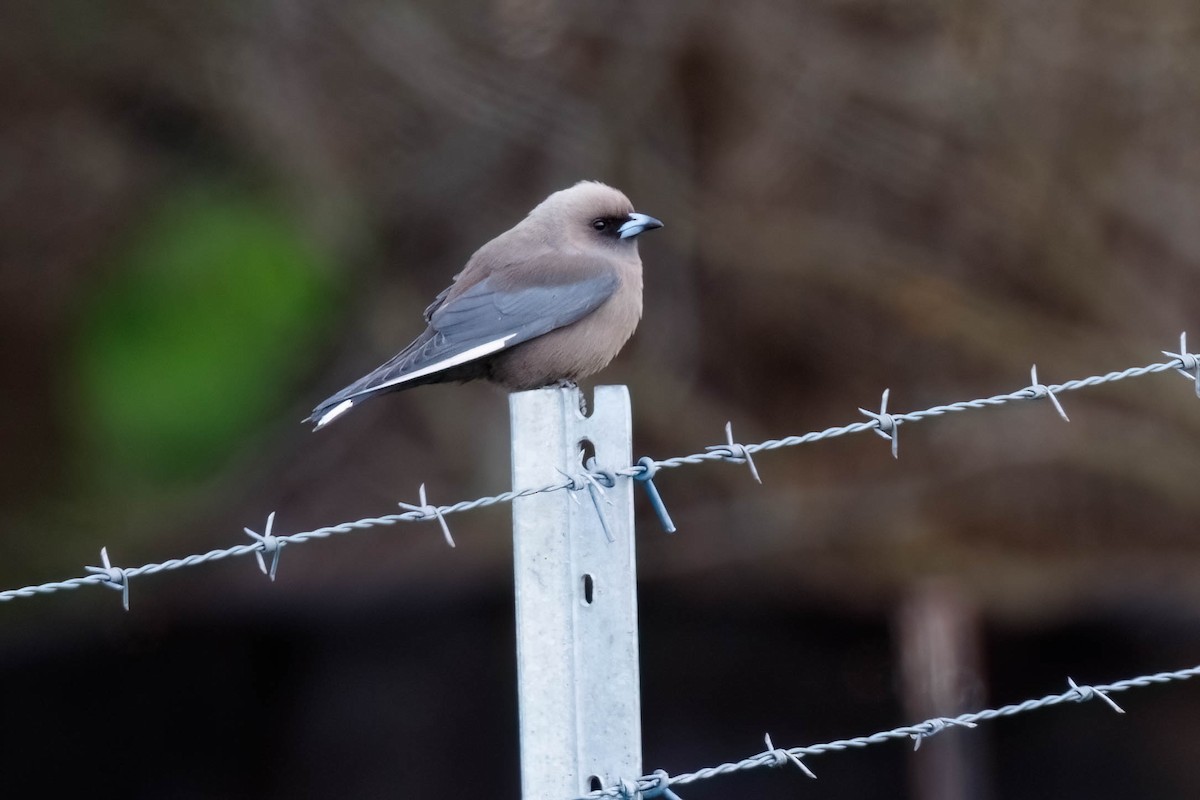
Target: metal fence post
{"x":576,"y":597}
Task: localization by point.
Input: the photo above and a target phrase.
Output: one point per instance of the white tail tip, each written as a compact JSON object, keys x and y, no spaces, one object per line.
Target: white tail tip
{"x":333,"y":413}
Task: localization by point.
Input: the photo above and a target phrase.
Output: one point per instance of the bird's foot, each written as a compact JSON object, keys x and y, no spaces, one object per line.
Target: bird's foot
{"x":567,"y":383}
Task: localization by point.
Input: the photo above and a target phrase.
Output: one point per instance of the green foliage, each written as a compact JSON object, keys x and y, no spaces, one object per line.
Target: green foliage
{"x":194,"y":340}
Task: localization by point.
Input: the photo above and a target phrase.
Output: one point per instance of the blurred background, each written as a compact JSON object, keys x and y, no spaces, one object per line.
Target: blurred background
{"x":213,"y":215}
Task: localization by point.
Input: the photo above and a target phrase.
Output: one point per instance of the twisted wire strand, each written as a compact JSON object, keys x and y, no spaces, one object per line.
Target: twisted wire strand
{"x":1183,"y":362}
{"x":917,"y":732}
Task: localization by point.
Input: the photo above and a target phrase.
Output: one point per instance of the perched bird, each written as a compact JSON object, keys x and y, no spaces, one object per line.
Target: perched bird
{"x":549,"y":301}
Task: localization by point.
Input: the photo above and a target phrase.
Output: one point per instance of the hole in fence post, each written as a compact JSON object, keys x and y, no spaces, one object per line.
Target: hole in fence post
{"x":594,"y":784}
{"x":589,"y":588}
{"x":587,"y":450}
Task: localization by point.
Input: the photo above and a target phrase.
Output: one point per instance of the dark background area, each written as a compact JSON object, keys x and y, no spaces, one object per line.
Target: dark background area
{"x":214,"y":215}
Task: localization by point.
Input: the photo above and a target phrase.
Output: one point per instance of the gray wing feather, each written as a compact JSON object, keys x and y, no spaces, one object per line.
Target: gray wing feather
{"x":495,"y":308}
{"x":486,"y":312}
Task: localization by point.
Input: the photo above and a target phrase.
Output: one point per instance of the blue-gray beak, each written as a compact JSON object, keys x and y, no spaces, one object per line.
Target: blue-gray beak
{"x":638,"y":223}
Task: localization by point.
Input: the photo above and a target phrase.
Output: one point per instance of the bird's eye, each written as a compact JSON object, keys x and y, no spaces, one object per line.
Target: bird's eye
{"x":599,"y":224}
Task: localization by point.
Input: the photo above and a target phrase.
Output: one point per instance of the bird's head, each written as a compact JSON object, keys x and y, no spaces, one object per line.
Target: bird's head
{"x":593,"y":212}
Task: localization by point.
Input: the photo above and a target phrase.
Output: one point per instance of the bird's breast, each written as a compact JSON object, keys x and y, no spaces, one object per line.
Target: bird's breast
{"x":578,"y":350}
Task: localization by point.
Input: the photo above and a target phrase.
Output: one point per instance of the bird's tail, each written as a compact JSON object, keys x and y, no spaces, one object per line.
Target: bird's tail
{"x":406,"y":369}
{"x":374,"y":381}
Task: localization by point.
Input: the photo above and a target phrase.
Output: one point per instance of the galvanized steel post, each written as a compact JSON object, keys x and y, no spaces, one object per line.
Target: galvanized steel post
{"x":576,"y":596}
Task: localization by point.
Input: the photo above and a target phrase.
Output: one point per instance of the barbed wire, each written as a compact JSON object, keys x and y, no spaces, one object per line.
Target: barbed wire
{"x":659,"y":782}
{"x":595,"y":479}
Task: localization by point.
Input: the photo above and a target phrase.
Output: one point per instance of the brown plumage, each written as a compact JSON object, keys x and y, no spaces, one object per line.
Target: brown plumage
{"x":551,"y":300}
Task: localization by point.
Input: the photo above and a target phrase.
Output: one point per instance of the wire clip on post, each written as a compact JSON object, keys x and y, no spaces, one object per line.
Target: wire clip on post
{"x":647,"y":469}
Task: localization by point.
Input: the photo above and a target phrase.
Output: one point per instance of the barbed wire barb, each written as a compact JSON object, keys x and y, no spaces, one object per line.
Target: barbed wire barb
{"x":932,"y":727}
{"x":784,"y":757}
{"x":656,"y":784}
{"x":428,"y":511}
{"x":114,"y":577}
{"x":886,"y":425}
{"x":1039,"y":389}
{"x":735,"y":453}
{"x":592,"y":475}
{"x":1189,"y":365}
{"x":1085,"y":693}
{"x":269,"y":544}
{"x":573,"y":486}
